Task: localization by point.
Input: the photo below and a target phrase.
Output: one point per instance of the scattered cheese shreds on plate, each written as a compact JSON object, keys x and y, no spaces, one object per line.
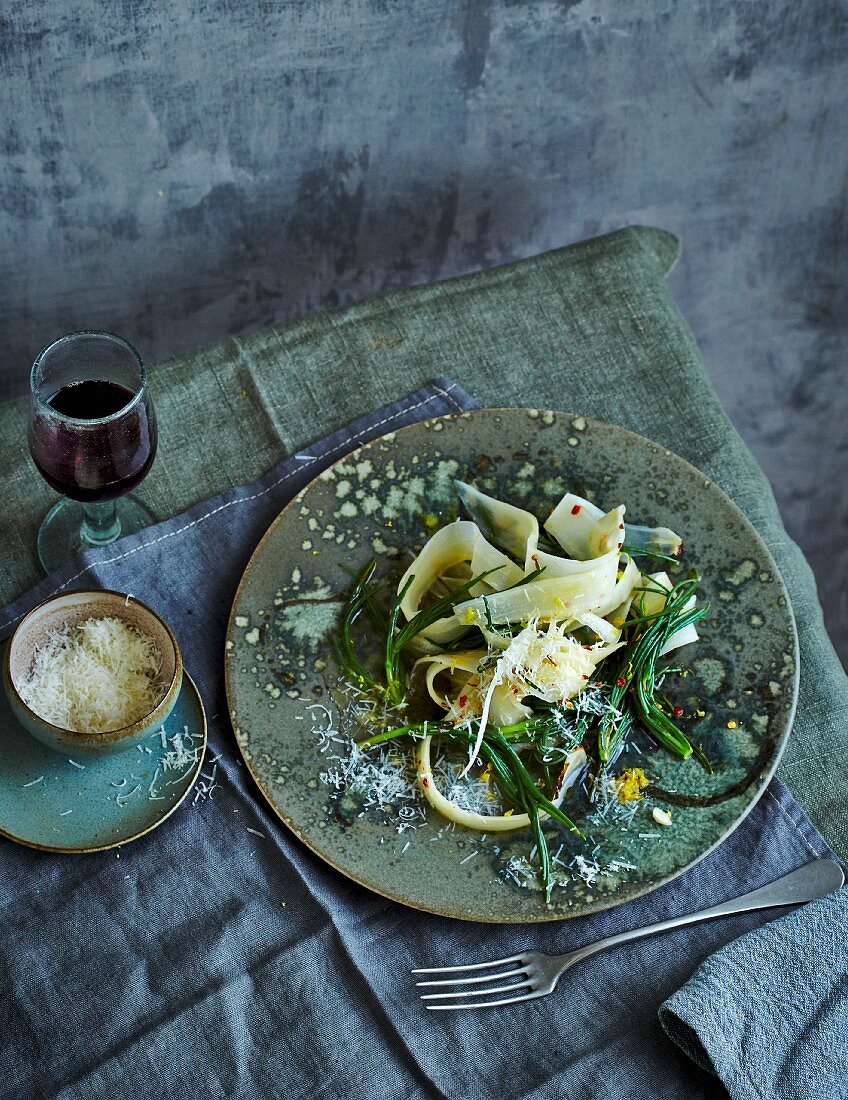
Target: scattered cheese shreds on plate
{"x":99,"y":675}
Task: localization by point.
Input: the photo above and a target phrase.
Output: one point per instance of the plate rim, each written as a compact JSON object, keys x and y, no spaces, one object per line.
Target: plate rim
{"x":62,"y":850}
{"x":542,"y":917}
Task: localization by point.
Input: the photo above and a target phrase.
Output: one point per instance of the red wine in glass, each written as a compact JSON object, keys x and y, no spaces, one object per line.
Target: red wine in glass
{"x":108,"y":456}
{"x":92,"y":436}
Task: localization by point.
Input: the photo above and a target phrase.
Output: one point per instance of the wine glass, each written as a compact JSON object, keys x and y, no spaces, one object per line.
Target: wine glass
{"x":92,"y":435}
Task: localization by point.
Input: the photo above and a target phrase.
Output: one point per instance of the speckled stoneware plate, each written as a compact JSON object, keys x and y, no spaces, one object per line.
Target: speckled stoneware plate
{"x":381,"y":500}
{"x":89,"y":803}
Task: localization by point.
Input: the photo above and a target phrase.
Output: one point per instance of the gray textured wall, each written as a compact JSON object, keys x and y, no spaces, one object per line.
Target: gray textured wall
{"x":177,"y":171}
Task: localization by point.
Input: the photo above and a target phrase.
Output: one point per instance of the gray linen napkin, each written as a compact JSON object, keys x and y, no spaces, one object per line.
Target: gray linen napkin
{"x":218,"y":957}
{"x":769,"y":1012}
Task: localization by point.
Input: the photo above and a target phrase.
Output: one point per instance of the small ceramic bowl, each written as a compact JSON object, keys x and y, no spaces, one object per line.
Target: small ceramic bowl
{"x":68,"y":610}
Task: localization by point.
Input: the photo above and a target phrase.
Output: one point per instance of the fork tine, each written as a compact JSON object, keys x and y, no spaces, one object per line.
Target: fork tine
{"x":487,"y":1004}
{"x":470,"y":966}
{"x":476,"y":981}
{"x":464,"y":992}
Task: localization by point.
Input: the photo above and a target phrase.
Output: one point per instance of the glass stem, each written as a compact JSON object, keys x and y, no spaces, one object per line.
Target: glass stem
{"x":101,"y":524}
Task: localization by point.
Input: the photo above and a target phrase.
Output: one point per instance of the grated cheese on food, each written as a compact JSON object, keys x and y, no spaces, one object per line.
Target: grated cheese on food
{"x":99,"y":675}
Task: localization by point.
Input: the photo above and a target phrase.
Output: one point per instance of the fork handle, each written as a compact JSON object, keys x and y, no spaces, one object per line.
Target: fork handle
{"x":813,"y":880}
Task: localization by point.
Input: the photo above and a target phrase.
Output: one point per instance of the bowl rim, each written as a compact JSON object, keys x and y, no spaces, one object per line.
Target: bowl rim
{"x":121,"y":732}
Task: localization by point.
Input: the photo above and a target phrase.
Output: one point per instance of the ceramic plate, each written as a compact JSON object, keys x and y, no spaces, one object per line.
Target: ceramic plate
{"x":59,"y":804}
{"x":383,"y":500}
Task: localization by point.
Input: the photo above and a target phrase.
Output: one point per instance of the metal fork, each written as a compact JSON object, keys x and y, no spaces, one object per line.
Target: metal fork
{"x":534,"y":974}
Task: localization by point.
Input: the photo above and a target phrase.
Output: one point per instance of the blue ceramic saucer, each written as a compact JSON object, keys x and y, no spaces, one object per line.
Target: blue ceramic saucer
{"x":51,"y":802}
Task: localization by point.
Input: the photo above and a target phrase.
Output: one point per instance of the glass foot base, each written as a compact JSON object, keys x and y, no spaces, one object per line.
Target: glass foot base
{"x":60,"y":536}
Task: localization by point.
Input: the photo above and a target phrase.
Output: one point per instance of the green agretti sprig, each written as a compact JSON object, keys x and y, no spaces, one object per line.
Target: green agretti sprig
{"x":361,"y":597}
{"x":398,"y":638}
{"x":634,"y":691}
{"x":395,"y":638}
